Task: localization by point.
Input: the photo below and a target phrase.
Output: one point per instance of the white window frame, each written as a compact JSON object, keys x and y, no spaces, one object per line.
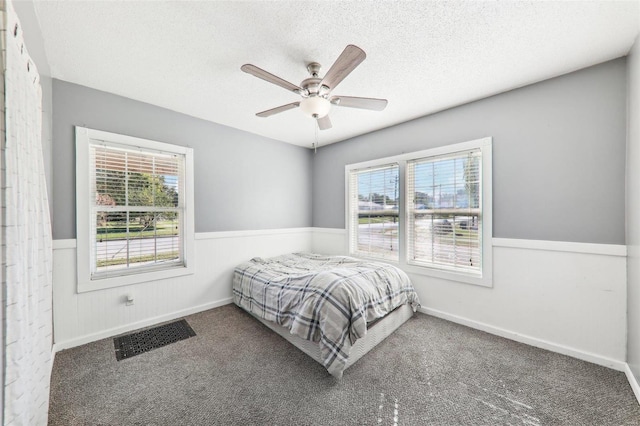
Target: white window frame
{"x":86,"y":137}
{"x":351,"y":209}
{"x":485,"y":278}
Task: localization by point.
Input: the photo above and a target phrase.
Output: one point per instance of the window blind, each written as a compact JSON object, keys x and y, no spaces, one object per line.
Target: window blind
{"x":444,"y":211}
{"x":373,"y":201}
{"x":137,"y":209}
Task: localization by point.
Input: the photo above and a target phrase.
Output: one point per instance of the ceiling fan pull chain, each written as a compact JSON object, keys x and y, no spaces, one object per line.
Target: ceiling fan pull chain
{"x":315,"y":145}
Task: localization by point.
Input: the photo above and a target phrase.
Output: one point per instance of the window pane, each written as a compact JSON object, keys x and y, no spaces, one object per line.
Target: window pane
{"x":445,"y":221}
{"x":152,"y":180}
{"x":447,"y":240}
{"x":135,"y":239}
{"x":111,"y":239}
{"x":374,"y":216}
{"x":137,"y":208}
{"x":109,"y":185}
{"x":167,"y":191}
{"x":132,"y":178}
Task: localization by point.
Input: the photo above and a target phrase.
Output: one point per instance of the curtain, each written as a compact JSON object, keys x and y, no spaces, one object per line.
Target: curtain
{"x":26,"y":237}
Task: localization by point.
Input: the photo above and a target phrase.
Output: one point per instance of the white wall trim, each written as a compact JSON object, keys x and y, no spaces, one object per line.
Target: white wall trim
{"x":71,"y":243}
{"x":588,"y":248}
{"x":64,"y":244}
{"x":533,"y":341}
{"x":330,"y":230}
{"x":563,"y":246}
{"x":632,"y":381}
{"x":140,"y":324}
{"x":250,"y":233}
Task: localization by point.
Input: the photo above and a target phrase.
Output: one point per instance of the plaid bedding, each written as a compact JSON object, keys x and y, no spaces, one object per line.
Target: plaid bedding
{"x":325,"y":299}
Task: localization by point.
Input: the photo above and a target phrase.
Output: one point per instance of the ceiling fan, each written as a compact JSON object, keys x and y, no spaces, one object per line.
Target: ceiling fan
{"x":316,"y":92}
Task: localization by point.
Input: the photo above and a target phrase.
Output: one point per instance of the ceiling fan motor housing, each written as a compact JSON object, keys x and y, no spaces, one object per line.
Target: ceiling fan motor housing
{"x":311,"y":86}
{"x":314,"y":104}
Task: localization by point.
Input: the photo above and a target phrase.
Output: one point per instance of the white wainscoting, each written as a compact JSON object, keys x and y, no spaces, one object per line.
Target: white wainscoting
{"x":86,"y":317}
{"x":565,"y":297}
{"x":562,"y":296}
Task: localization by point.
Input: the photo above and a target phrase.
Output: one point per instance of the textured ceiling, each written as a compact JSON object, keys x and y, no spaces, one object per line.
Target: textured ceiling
{"x":421,"y":56}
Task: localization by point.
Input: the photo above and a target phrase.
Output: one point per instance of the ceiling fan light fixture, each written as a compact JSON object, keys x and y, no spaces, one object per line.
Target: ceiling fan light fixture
{"x":315,"y":106}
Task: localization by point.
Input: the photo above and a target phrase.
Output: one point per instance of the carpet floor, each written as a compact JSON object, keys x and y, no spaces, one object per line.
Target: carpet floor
{"x":235,"y":371}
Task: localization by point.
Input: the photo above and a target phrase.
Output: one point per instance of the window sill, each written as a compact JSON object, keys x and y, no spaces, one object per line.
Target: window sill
{"x":484,"y":281}
{"x":86,"y":285}
{"x":460,"y":277}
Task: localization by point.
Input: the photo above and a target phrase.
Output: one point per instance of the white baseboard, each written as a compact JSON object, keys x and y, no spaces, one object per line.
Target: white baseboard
{"x":67,"y":344}
{"x":533,"y":341}
{"x":53,"y":358}
{"x":632,"y":381}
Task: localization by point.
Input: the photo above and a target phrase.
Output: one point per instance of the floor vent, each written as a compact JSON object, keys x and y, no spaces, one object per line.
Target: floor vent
{"x":143,"y":341}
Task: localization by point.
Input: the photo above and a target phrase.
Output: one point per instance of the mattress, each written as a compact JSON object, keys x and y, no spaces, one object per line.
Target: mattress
{"x":382,"y":329}
{"x":328,"y":300}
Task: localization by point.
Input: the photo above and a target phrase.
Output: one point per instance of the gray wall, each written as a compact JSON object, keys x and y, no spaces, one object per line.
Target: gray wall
{"x":633,"y":213}
{"x":242,"y":181}
{"x":558,"y":156}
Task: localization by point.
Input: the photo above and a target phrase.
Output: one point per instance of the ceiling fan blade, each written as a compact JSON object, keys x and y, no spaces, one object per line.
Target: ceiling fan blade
{"x":363,"y":103}
{"x":348,"y":60}
{"x":276,"y":110}
{"x":267,"y":76}
{"x":324,"y":123}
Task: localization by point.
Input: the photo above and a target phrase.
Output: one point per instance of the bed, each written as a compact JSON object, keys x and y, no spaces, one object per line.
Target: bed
{"x":333,"y":308}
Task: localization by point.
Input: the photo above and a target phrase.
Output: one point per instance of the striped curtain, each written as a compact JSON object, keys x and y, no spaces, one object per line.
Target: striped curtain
{"x":26,"y":237}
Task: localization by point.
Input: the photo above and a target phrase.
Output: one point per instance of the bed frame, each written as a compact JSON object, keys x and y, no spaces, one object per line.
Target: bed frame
{"x":376,"y":334}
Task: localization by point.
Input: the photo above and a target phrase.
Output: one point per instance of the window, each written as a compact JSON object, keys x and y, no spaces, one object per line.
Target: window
{"x":444,"y":226}
{"x":439,"y":224}
{"x":134,"y":214}
{"x":374,"y":211}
